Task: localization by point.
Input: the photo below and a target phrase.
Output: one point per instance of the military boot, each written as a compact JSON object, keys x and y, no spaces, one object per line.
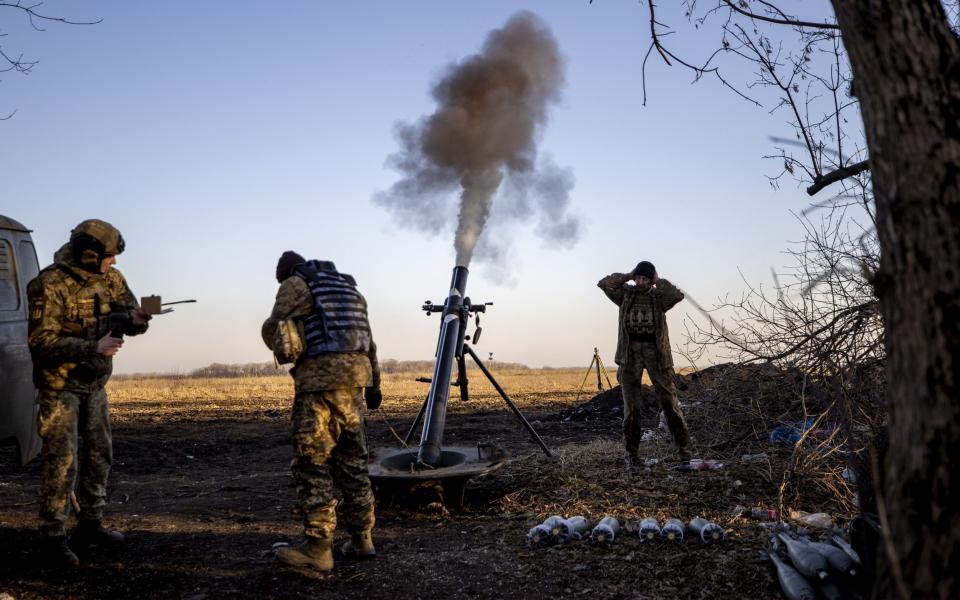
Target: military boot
{"x":314,"y":553}
{"x":360,"y":546}
{"x":93,"y":533}
{"x":685,"y":453}
{"x":631,"y":464}
{"x":58,"y":553}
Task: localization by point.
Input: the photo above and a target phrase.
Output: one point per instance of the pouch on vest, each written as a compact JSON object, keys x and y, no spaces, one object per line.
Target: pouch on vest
{"x":288,"y":341}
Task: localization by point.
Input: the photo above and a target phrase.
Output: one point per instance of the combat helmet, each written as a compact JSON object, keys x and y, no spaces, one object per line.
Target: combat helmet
{"x":93,"y":240}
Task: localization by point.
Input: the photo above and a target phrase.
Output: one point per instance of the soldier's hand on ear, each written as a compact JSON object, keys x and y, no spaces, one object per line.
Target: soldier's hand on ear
{"x":108,"y":346}
{"x":373,"y":397}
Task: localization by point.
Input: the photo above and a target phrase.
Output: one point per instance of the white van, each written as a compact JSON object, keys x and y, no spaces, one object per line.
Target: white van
{"x":18,"y":410}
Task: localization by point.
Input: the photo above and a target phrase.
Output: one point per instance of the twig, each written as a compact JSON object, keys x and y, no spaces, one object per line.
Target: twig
{"x":793,"y":22}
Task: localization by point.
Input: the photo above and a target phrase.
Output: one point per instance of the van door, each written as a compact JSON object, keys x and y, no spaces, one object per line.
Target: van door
{"x":18,"y":410}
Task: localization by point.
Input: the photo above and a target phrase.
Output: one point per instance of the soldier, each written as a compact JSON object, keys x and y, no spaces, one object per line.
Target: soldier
{"x":337,"y":372}
{"x":71,"y":341}
{"x":644,"y":343}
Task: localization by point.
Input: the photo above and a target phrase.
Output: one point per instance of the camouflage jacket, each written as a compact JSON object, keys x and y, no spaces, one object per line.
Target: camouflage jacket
{"x":328,"y":371}
{"x":665,"y":296}
{"x":69,"y":313}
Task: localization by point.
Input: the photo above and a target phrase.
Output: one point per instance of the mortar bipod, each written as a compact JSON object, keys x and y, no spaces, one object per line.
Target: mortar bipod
{"x":462,"y":382}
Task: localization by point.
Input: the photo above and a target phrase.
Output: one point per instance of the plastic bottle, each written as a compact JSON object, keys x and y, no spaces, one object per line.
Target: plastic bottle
{"x":709,"y":533}
{"x":649,"y":529}
{"x":574,"y":528}
{"x":605,"y":532}
{"x":754,"y":458}
{"x":819,"y":520}
{"x":764,"y":514}
{"x":672,"y":530}
{"x":757,"y":514}
{"x":793,"y":584}
{"x":700,"y":464}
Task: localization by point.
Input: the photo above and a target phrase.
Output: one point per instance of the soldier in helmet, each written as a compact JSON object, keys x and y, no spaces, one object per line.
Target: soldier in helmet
{"x":336,"y":373}
{"x":644,"y":343}
{"x":71,"y":338}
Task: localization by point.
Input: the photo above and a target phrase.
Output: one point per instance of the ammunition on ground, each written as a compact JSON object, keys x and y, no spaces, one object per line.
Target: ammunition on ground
{"x":672,"y":530}
{"x":574,"y":528}
{"x":838,"y":560}
{"x":807,"y":560}
{"x":605,"y":532}
{"x":546,"y":533}
{"x":829,"y":590}
{"x":846,"y":547}
{"x":538,"y":535}
{"x":649,"y":529}
{"x":793,"y":584}
{"x":709,"y":533}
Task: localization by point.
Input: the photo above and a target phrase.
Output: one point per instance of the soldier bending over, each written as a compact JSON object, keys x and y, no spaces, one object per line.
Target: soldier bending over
{"x":336,"y":373}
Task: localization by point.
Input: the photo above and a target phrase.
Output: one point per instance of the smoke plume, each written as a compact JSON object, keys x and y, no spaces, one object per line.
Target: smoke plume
{"x":491,"y":108}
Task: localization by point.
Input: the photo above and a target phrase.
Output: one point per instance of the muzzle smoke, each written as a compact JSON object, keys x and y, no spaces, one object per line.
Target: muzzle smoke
{"x":492,"y":106}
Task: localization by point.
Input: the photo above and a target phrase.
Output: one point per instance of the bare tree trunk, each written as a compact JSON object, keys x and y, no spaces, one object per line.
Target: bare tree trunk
{"x":906,"y":65}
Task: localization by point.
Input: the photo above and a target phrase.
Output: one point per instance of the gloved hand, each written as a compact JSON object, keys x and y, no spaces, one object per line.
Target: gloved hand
{"x":108,"y":346}
{"x":373,"y":397}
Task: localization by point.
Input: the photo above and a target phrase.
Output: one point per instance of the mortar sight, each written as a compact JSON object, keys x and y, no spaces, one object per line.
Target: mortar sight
{"x":429,"y":307}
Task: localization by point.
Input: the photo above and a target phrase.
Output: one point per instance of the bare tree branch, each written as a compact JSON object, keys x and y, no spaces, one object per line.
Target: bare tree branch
{"x":823,"y":181}
{"x":17,"y":63}
{"x":32,"y":14}
{"x":784,"y":21}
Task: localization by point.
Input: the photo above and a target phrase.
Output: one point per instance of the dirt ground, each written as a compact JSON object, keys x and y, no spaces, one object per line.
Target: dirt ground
{"x":201,"y":486}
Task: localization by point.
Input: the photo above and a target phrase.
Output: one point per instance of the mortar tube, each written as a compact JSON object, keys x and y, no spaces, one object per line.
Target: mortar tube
{"x":431,"y":438}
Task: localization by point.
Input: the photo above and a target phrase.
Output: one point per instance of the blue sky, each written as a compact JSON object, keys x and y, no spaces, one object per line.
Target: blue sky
{"x":216,"y":135}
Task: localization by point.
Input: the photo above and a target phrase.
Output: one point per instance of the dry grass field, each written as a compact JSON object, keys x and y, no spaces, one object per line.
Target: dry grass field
{"x":202,"y":487}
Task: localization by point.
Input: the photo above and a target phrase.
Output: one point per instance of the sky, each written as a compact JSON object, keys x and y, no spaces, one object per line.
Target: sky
{"x":217,"y":135}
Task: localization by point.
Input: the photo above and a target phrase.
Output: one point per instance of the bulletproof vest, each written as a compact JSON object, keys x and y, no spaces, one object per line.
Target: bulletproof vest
{"x":87,"y":306}
{"x":339,"y":319}
{"x":640,"y":319}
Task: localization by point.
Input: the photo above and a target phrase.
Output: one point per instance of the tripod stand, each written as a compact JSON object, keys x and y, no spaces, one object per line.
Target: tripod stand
{"x":462,"y":383}
{"x":595,"y":361}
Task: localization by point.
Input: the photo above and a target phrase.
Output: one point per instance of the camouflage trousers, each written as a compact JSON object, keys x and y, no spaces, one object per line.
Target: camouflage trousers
{"x":644,"y":356}
{"x":330,"y":451}
{"x":64,"y":417}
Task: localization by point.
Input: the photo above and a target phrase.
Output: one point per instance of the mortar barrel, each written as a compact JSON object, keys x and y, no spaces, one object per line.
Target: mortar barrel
{"x":431,"y":439}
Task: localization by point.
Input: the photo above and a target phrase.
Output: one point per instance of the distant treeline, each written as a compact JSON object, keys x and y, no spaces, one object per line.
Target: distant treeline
{"x":392,"y":365}
{"x":217,"y":370}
